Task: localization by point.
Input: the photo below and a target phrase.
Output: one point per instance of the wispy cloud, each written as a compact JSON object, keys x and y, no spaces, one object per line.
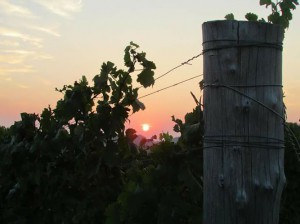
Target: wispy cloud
{"x":8,"y":79}
{"x":50,"y":31}
{"x":43,"y":56}
{"x":22,"y":86}
{"x":62,"y":7}
{"x":20,"y":52}
{"x":24,"y":31}
{"x":15,"y":56}
{"x":20,"y":56}
{"x":11,"y":59}
{"x":17,"y":10}
{"x":7,"y":32}
{"x":9,"y":43}
{"x":4,"y":71}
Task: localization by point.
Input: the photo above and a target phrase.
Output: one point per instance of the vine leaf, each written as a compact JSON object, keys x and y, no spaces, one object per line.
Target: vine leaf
{"x":137,"y":105}
{"x":127,"y":59}
{"x":145,"y":78}
{"x":265,"y":2}
{"x":134,"y":45}
{"x":229,"y":16}
{"x":280,"y":12}
{"x":251,"y":17}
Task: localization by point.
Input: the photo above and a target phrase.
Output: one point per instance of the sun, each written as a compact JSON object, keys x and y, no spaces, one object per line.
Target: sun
{"x":145,"y":127}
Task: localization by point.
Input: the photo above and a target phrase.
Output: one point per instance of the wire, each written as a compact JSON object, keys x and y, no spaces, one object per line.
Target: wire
{"x":172,"y":69}
{"x":178,"y":83}
{"x":182,"y":64}
{"x":249,"y":97}
{"x":242,"y":44}
{"x":237,"y":142}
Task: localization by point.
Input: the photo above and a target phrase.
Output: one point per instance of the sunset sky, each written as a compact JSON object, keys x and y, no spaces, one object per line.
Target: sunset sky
{"x":45,"y":44}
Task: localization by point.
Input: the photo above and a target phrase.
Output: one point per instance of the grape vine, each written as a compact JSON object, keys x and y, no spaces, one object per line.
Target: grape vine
{"x":281,"y":12}
{"x":65,"y":165}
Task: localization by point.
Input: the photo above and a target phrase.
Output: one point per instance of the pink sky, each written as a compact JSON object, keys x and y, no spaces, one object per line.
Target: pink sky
{"x":46,"y":44}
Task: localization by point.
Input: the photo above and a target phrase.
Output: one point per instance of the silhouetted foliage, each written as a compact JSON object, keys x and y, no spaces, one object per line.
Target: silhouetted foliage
{"x":168,"y":189}
{"x":290,"y":201}
{"x":4,"y":134}
{"x":66,"y":165}
{"x":281,"y":12}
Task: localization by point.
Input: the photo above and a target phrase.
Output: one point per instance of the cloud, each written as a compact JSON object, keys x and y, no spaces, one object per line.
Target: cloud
{"x":4,"y":71}
{"x":46,"y":30}
{"x":8,"y":79}
{"x":19,"y":56}
{"x":9,"y":43}
{"x":43,"y":56}
{"x":10,"y":33}
{"x":11,"y":59}
{"x":61,"y":7}
{"x":17,"y":10}
{"x":23,"y":86}
{"x":24,"y":30}
{"x":15,"y":56}
{"x":20,"y":52}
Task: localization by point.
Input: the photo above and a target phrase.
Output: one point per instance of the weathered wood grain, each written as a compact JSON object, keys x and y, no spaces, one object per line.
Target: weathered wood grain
{"x":243,"y":141}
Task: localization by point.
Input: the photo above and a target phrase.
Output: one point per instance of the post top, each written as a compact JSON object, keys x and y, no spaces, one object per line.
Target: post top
{"x":234,"y":30}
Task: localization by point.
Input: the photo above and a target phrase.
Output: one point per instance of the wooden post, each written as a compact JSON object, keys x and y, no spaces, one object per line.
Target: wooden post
{"x":243,"y":122}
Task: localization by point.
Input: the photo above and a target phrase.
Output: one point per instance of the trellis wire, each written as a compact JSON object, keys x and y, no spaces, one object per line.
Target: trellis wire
{"x":168,"y":87}
{"x":232,"y":87}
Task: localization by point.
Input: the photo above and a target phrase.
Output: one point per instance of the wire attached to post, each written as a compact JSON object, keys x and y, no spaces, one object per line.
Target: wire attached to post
{"x":245,"y":95}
